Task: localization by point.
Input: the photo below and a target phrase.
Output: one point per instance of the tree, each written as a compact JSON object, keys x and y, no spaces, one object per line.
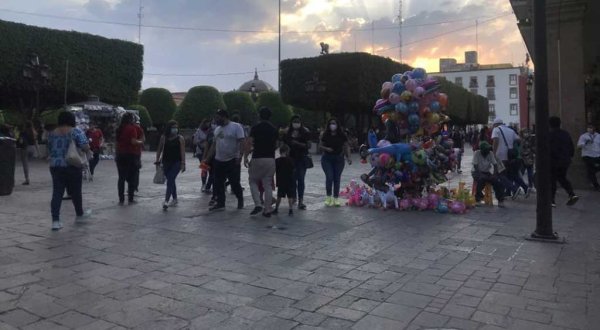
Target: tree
{"x":159,"y":103}
{"x":200,"y":102}
{"x":242,"y":103}
{"x":281,"y":112}
{"x":464,"y":107}
{"x":311,"y":119}
{"x":145,"y":119}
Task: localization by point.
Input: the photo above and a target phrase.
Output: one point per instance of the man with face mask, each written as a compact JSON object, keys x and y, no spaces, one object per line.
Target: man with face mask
{"x":226,"y":150}
{"x":485,"y":170}
{"x":589,"y":143}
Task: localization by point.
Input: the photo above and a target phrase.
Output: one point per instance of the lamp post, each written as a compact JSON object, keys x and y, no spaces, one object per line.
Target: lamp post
{"x":529,"y":89}
{"x":253,"y":92}
{"x":38,"y":75}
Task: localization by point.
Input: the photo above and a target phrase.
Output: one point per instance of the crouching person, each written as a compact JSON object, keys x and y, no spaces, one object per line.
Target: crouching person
{"x":485,"y":170}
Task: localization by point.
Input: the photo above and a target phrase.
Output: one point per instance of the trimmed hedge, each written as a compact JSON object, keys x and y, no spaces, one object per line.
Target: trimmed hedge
{"x":281,"y":112}
{"x":241,"y":102}
{"x":200,"y":102}
{"x":464,"y":107}
{"x":145,"y":119}
{"x":1,"y":118}
{"x":159,"y":103}
{"x":50,"y":117}
{"x":109,"y":68}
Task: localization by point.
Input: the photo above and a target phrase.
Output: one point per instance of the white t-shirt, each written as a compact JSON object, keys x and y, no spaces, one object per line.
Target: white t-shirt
{"x":589,"y":144}
{"x":484,"y":164}
{"x":227,"y":139}
{"x":511,"y":137}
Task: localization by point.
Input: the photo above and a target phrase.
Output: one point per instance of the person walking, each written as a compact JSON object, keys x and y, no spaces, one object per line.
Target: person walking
{"x":297,"y":137}
{"x":262,"y":143}
{"x":334,"y":145}
{"x":171,"y":153}
{"x":458,"y":139}
{"x":27,"y":138}
{"x":285,"y":179}
{"x":127,"y":155}
{"x":201,"y":142}
{"x":486,"y":170}
{"x":138,"y":151}
{"x":229,"y":138}
{"x":96,"y":138}
{"x":589,"y":143}
{"x":504,"y":140}
{"x":561,"y":153}
{"x":64,"y":175}
{"x":528,"y":156}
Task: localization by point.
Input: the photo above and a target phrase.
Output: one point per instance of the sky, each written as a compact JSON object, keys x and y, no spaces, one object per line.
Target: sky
{"x":221,"y":42}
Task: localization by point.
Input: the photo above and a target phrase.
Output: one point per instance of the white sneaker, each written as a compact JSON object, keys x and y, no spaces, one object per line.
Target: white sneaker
{"x":56,"y":225}
{"x":165,"y":205}
{"x":527,"y":192}
{"x":85,"y":216}
{"x":173,"y":203}
{"x":517,"y":193}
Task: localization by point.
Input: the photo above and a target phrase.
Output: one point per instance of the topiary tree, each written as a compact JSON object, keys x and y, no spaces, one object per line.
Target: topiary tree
{"x":242,"y":103}
{"x":1,"y":118}
{"x":145,"y":119}
{"x":50,"y":117}
{"x":159,"y":103}
{"x":281,"y":111}
{"x":200,"y":102}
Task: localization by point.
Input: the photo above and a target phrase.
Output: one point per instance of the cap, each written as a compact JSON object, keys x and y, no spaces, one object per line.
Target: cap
{"x":223,"y":113}
{"x":498,"y":121}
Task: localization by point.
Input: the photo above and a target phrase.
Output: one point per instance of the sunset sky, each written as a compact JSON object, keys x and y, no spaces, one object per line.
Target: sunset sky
{"x":180,"y":53}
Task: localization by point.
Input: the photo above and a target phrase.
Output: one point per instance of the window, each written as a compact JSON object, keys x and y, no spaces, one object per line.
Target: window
{"x":474,"y":91}
{"x":491,"y":82}
{"x":514,"y":109}
{"x":492,"y":108}
{"x":491,"y":94}
{"x":458,"y":81}
{"x":512,"y":79}
{"x":513,"y":92}
{"x":473,"y":82}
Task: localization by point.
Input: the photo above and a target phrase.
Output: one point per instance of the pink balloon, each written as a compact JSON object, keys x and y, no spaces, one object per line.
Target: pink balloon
{"x":380,"y":104}
{"x":394,"y":98}
{"x":457,"y":207}
{"x":422,"y":204}
{"x":411,"y":85}
{"x":405,"y":204}
{"x":419,"y":91}
{"x":433,"y":199}
{"x":387,"y":85}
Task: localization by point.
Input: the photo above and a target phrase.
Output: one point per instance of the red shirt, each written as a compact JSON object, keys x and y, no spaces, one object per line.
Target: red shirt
{"x":95,"y":135}
{"x":124,"y":145}
{"x":140,"y":134}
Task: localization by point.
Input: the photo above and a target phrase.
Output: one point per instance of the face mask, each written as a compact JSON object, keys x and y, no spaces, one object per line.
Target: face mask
{"x":296,"y":125}
{"x":333,"y":127}
{"x":174,"y":131}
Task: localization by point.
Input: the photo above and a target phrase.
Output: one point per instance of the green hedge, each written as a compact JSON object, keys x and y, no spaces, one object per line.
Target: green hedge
{"x":145,"y":119}
{"x":281,"y":112}
{"x":50,"y":117}
{"x":109,"y":68}
{"x":199,"y":103}
{"x":464,"y":107}
{"x":242,"y":103}
{"x":159,"y":103}
{"x":1,"y":118}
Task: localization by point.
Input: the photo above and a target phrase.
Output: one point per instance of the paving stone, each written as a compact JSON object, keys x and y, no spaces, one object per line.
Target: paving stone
{"x":309,"y":318}
{"x":458,"y":311}
{"x":44,"y":325}
{"x":430,"y":320}
{"x":208,"y":320}
{"x":506,"y":288}
{"x":369,"y":294}
{"x":18,"y":317}
{"x":272,"y":303}
{"x":341,"y":313}
{"x":165,"y":322}
{"x":396,"y":312}
{"x":333,"y":323}
{"x":529,"y":315}
{"x":132,"y":317}
{"x":364,"y":305}
{"x":250,"y":313}
{"x":372,"y":322}
{"x":274,"y":323}
{"x":98,"y":325}
{"x":312,"y":302}
{"x":493,"y":319}
{"x":409,"y":299}
{"x":72,"y":319}
{"x":422,"y":288}
{"x":457,"y":323}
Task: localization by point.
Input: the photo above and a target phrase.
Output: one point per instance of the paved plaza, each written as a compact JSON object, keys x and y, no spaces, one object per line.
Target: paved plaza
{"x":325,"y":268}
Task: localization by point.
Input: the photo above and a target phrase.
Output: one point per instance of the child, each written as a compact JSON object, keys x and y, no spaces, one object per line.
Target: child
{"x":284,"y":174}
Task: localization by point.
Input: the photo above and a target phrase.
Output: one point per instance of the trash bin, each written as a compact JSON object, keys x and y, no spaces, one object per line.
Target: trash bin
{"x":8,"y":153}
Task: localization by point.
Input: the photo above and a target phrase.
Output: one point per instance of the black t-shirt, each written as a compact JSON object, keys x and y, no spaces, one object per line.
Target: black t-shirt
{"x":296,"y":151}
{"x":265,"y":137}
{"x":284,"y":171}
{"x":335,"y":142}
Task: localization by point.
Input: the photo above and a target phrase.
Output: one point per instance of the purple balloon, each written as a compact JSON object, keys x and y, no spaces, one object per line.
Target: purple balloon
{"x":387,"y":85}
{"x":394,"y":98}
{"x":405,"y":204}
{"x":411,"y":85}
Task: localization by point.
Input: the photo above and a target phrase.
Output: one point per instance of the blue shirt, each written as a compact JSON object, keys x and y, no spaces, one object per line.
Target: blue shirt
{"x":58,"y":145}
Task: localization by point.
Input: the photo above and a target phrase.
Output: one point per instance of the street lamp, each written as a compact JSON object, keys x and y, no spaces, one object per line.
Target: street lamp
{"x":38,"y":75}
{"x":529,"y":89}
{"x":253,"y":92}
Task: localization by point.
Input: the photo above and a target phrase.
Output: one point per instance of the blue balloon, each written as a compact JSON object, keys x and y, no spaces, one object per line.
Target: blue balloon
{"x":413,"y":107}
{"x":398,"y":88}
{"x":372,"y":139}
{"x":402,"y":108}
{"x":414,"y":120}
{"x":419,"y":73}
{"x":435,"y":106}
{"x":396,"y":77}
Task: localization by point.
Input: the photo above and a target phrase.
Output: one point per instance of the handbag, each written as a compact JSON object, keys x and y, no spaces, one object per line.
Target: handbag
{"x":512,"y":153}
{"x":159,"y":175}
{"x":308,"y":162}
{"x":74,"y":156}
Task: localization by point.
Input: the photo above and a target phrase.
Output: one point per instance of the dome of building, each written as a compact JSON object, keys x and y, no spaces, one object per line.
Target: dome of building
{"x":259,"y":85}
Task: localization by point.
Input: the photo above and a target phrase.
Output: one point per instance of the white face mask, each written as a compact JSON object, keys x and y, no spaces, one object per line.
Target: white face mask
{"x":174,"y":131}
{"x":333,"y":127}
{"x":296,"y":125}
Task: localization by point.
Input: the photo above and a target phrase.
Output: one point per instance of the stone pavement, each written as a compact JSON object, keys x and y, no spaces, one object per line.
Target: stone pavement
{"x":139,"y":267}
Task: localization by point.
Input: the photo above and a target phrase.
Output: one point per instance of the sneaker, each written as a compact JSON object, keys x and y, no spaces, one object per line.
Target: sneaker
{"x":532,"y":189}
{"x":291,"y":212}
{"x":173,"y":203}
{"x":501,"y":204}
{"x":517,"y":193}
{"x":121,"y":202}
{"x":336,"y":202}
{"x":328,"y":201}
{"x":216,"y":208}
{"x":212,"y":202}
{"x":256,"y":210}
{"x":81,"y":218}
{"x":266,"y":215}
{"x":207,"y":191}
{"x":26,"y":183}
{"x":275,"y":211}
{"x":553,"y":204}
{"x":240,"y":203}
{"x":572,"y":200}
{"x":56,"y":225}
{"x":203,"y":188}
{"x":527,"y":192}
{"x":301,"y":206}
{"x":165,"y":205}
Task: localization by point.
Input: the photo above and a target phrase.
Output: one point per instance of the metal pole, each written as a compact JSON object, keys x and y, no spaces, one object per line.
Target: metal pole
{"x":543,"y":228}
{"x":373,"y":38}
{"x":279,"y":53}
{"x":66,"y":79}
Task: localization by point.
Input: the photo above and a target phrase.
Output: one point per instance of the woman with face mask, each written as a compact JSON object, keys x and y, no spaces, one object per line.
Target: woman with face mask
{"x":171,"y":152}
{"x":298,"y":139}
{"x":334,"y":144}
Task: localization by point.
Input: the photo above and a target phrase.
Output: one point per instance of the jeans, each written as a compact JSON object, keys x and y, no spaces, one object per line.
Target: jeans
{"x":171,"y":171}
{"x":559,"y":174}
{"x":530,"y":177}
{"x":94,"y":161}
{"x":128,"y":171}
{"x":25,"y":162}
{"x":299,"y":175}
{"x":262,"y":170}
{"x":482,"y":179}
{"x":459,"y":159}
{"x":333,"y":166}
{"x":65,"y":178}
{"x":230,"y":171}
{"x":593,"y":166}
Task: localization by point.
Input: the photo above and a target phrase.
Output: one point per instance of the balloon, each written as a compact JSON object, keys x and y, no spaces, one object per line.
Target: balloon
{"x":408,"y":73}
{"x":372,"y":138}
{"x":387,"y":84}
{"x":374,"y":160}
{"x":433,"y":199}
{"x":400,"y":151}
{"x":435,"y":106}
{"x":413,"y":108}
{"x":424,"y":111}
{"x":413,"y":120}
{"x":419,"y":73}
{"x":394,"y":98}
{"x":383,"y":143}
{"x":396,"y":77}
{"x":405,"y":204}
{"x":442,"y":207}
{"x":411,"y":85}
{"x":457,"y":207}
{"x":384,"y":160}
{"x":433,"y":118}
{"x":385,"y":93}
{"x":384,"y":117}
{"x":406,"y":96}
{"x":430,"y":85}
{"x":427,"y":144}
{"x":443,"y":99}
{"x":402,"y":108}
{"x":419,"y":157}
{"x":379,"y":104}
{"x":422,"y":204}
{"x":419,"y":92}
{"x":386,"y":108}
{"x":398,"y":87}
